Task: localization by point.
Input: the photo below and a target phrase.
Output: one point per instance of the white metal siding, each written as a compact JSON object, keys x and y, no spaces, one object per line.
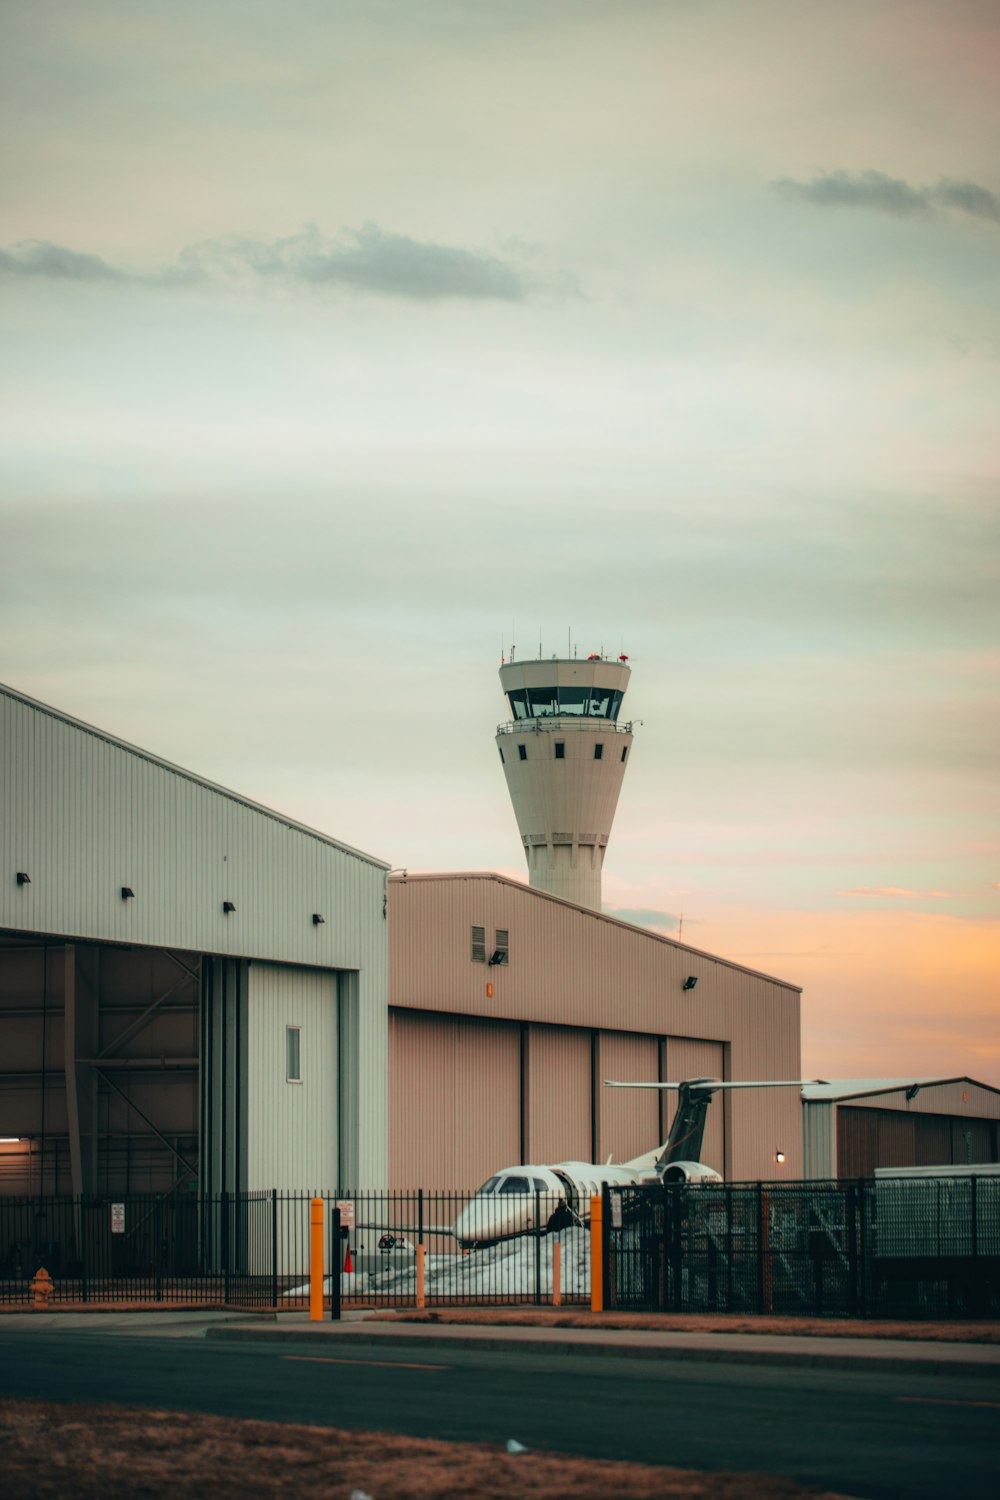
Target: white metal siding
{"x":84,"y":815}
{"x":819,"y":1141}
{"x":291,"y":1127}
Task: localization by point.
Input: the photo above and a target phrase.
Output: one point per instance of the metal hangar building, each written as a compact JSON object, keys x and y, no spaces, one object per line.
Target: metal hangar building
{"x":192,"y":987}
{"x":508,"y":1007}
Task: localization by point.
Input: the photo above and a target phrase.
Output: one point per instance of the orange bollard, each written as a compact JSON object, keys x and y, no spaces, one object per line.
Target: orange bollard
{"x":596,"y":1262}
{"x":421,"y":1291}
{"x":556,"y":1274}
{"x":316,"y":1260}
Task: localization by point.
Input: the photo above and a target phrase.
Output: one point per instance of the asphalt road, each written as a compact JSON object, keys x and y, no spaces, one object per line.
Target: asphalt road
{"x":864,"y":1433}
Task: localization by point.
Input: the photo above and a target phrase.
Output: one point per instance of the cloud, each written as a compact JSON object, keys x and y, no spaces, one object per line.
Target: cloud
{"x":897,"y":891}
{"x":891,"y":195}
{"x":642,"y":918}
{"x":55,"y":262}
{"x":970,"y":198}
{"x":369,"y":259}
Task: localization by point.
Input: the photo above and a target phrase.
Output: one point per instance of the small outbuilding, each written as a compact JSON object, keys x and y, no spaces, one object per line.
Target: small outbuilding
{"x":851,"y":1127}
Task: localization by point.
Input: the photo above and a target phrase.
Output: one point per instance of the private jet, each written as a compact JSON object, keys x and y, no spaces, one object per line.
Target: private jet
{"x":517,"y":1199}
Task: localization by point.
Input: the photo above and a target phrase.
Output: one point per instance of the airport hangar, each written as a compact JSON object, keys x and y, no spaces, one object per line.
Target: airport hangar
{"x":192,"y":987}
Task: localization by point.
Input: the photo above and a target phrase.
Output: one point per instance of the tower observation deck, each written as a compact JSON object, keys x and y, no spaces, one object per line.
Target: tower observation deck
{"x":564,"y":756}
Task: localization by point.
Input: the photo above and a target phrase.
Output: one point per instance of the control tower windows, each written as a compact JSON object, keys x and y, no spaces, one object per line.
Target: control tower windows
{"x":522,"y":751}
{"x":598,"y":752}
{"x":624,"y":752}
{"x":555,"y":702}
{"x":560,"y":748}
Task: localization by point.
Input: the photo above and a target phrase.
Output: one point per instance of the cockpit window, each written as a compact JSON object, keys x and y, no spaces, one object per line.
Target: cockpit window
{"x":487,"y":1187}
{"x":537,"y":1182}
{"x":514,"y":1185}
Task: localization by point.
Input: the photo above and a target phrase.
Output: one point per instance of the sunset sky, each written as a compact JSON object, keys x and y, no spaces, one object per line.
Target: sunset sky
{"x":343,"y":345}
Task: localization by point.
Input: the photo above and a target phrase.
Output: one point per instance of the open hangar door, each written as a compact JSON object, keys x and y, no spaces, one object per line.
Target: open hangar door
{"x":99,"y":1071}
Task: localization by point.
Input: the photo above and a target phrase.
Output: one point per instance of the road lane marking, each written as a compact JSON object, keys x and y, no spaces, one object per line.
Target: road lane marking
{"x":388,"y":1364}
{"x":945,"y":1401}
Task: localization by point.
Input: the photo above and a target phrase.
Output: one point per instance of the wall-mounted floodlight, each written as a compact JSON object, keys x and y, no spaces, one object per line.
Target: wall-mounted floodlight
{"x":779,"y":1157}
{"x":23,"y":878}
{"x":128,"y":894}
{"x":498,"y":956}
{"x":690,"y":982}
{"x":912,"y":1092}
{"x":228,"y":906}
{"x":317,"y":919}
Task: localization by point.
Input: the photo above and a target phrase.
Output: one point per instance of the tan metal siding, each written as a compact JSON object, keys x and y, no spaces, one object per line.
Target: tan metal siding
{"x":628,"y":1119}
{"x":454,"y":1107}
{"x":558,"y":1094}
{"x":688,"y":1057}
{"x":291,"y":1127}
{"x":577,"y":968}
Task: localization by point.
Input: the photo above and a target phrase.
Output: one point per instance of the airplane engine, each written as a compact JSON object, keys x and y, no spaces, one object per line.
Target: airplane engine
{"x":690,"y":1172}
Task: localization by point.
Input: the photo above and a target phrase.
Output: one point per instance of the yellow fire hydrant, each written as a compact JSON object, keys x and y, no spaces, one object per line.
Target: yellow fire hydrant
{"x":41,"y":1288}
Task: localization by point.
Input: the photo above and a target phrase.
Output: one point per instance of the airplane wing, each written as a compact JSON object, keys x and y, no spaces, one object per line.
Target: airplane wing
{"x":715,"y":1083}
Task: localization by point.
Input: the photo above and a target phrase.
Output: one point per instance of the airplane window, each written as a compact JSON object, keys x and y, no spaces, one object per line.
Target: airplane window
{"x":514,"y":1185}
{"x":487,"y":1187}
{"x":536,"y":1182}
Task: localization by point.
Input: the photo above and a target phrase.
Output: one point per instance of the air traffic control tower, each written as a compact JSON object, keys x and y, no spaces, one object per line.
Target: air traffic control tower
{"x":564,"y":756}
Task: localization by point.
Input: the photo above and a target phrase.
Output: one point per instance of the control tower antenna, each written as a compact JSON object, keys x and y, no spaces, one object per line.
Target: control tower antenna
{"x":564,"y":756}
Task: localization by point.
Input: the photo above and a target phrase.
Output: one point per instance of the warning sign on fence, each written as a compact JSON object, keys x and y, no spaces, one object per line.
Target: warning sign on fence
{"x":346,"y":1206}
{"x":117,"y":1218}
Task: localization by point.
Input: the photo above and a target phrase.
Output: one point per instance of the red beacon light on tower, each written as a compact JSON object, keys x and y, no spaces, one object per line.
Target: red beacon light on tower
{"x":622,"y":657}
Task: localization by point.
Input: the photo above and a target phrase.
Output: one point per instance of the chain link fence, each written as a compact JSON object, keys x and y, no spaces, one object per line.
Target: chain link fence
{"x":892,"y":1247}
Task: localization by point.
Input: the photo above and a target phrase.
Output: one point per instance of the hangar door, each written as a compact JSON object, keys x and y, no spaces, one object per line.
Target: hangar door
{"x":690,"y":1057}
{"x":454,"y":1099}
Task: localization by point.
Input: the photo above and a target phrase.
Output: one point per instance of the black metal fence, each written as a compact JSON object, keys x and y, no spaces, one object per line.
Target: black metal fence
{"x":252,"y":1249}
{"x":898,"y":1247}
{"x":889,"y":1247}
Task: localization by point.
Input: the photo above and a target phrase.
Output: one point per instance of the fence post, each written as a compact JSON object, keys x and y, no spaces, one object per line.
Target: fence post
{"x":157,"y":1246}
{"x":274,"y":1247}
{"x":764,"y":1298}
{"x":596,"y":1255}
{"x":225,"y":1246}
{"x":864,"y":1267}
{"x":335,"y":1263}
{"x":538,"y":1247}
{"x":556,"y":1274}
{"x":420,"y":1216}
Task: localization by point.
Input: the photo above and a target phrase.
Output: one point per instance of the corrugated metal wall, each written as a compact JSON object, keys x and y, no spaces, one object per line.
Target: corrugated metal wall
{"x":628,"y":1119}
{"x":454,"y":1114}
{"x":579,"y":969}
{"x":868,"y":1138}
{"x":292,"y":1127}
{"x":558,"y":1089}
{"x":84,"y":815}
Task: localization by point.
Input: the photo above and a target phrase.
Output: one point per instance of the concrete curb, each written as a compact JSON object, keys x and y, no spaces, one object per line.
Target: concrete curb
{"x":667,"y":1347}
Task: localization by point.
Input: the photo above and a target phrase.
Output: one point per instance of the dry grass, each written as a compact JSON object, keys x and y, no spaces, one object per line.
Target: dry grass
{"x":49,"y":1450}
{"x":979,"y":1332}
